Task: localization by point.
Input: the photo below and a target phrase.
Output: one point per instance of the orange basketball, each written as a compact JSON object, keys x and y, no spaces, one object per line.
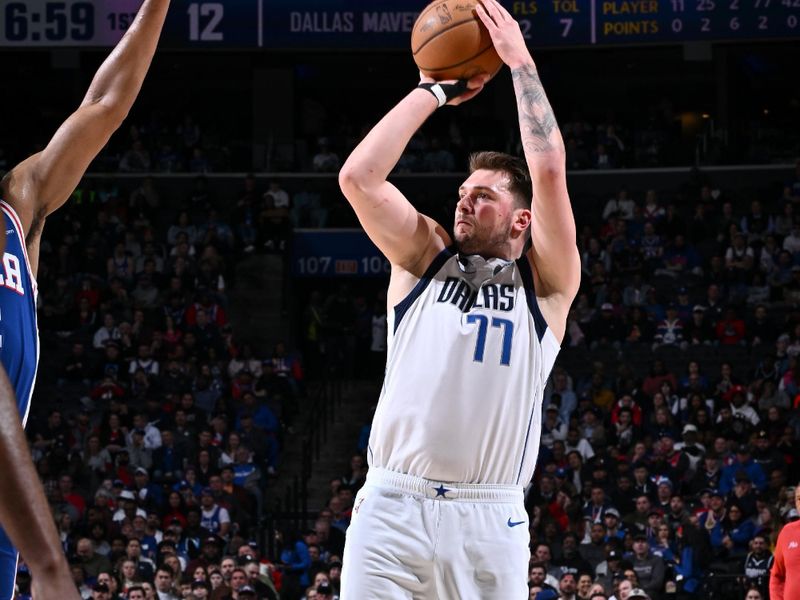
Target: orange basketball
{"x":450,"y":42}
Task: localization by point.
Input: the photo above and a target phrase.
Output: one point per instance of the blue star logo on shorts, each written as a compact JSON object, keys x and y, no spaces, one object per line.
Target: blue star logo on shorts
{"x":441,"y":491}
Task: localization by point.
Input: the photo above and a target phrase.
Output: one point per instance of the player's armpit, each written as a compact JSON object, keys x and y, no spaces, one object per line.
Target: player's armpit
{"x":554,"y":305}
{"x":406,"y":237}
{"x":44,"y":181}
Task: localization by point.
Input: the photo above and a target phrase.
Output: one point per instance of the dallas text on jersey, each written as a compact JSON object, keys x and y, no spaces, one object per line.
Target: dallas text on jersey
{"x":460,"y":293}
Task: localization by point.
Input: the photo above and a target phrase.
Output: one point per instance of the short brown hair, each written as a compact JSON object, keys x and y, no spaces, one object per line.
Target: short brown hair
{"x":515,"y":168}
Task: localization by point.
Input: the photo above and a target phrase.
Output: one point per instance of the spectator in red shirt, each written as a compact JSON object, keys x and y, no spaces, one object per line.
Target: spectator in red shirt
{"x":658,"y":374}
{"x":68,"y":495}
{"x":627,"y":401}
{"x":730,"y":329}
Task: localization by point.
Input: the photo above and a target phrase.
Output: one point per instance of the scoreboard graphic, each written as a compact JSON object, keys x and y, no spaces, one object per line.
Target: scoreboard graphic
{"x":386,"y":24}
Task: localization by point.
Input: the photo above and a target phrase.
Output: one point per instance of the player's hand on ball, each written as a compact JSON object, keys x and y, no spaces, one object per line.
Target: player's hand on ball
{"x":505,"y":32}
{"x":474,"y":87}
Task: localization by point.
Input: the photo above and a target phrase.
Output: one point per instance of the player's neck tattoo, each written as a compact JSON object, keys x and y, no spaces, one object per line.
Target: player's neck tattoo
{"x":537,"y":123}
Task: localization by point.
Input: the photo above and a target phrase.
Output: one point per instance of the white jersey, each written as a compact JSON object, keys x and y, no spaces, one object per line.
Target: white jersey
{"x":469,"y":354}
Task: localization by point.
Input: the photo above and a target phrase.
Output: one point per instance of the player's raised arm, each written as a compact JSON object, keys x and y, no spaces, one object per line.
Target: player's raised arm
{"x":392,"y":223}
{"x":24,"y":512}
{"x":554,"y":253}
{"x":43,"y":182}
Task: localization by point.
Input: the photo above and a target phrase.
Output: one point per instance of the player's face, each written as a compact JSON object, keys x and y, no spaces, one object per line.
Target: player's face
{"x":797,"y":498}
{"x":484,"y":214}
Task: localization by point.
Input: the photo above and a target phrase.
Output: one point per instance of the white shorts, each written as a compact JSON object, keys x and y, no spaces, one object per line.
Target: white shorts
{"x":414,"y":539}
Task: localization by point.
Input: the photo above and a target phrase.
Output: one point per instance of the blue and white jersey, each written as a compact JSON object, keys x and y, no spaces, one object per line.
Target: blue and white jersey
{"x":19,"y":335}
{"x":469,"y":354}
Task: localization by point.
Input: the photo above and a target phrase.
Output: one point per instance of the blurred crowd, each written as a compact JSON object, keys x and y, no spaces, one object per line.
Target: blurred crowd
{"x":670,"y":422}
{"x":155,"y":430}
{"x":163,"y":144}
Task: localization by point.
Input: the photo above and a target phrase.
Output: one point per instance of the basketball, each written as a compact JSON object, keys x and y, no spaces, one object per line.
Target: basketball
{"x":450,"y":42}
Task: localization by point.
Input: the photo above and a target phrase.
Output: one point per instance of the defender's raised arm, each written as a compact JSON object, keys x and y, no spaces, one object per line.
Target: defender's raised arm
{"x":43,"y":182}
{"x":30,"y":192}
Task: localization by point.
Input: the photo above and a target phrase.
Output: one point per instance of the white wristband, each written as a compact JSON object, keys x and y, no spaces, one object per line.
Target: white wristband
{"x":443,"y":92}
{"x":441,"y":97}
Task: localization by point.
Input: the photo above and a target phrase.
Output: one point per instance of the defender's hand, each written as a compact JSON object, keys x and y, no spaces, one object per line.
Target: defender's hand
{"x":505,"y":32}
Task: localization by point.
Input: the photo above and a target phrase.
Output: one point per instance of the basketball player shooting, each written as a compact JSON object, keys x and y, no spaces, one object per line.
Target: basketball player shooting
{"x":474,"y":328}
{"x":30,"y":192}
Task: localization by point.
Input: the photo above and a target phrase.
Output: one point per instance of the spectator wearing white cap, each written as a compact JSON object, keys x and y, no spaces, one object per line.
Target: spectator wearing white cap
{"x":613,"y":522}
{"x":638,"y":594}
{"x":128,"y":508}
{"x":690,"y":446}
{"x":606,"y":328}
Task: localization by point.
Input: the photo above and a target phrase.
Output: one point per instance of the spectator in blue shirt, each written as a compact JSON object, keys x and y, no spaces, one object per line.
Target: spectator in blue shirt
{"x":743,"y":462}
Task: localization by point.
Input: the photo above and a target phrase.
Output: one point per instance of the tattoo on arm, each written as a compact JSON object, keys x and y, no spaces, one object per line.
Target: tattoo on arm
{"x":537,"y":122}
